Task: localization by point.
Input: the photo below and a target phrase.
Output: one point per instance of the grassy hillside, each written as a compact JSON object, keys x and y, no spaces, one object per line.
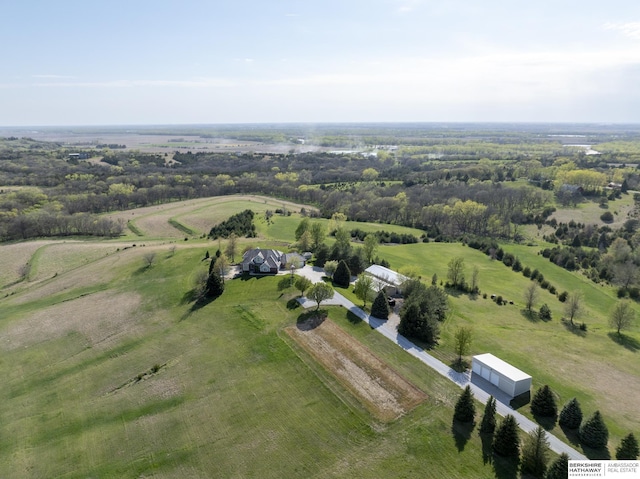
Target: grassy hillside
{"x":591,"y":365}
{"x":127,"y":379}
{"x":110,"y":370}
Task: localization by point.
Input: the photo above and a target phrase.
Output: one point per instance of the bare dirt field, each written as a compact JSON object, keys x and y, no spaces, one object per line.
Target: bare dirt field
{"x":100,"y":318}
{"x":382,"y":391}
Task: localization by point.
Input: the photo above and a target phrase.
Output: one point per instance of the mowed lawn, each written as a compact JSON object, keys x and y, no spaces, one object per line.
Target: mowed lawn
{"x":216,"y":391}
{"x":590,"y":365}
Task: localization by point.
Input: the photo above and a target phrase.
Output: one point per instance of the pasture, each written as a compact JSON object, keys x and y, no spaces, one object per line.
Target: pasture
{"x":128,"y":378}
{"x":112,"y":371}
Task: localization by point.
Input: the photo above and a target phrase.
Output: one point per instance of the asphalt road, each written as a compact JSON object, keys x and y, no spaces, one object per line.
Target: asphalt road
{"x":481,"y":388}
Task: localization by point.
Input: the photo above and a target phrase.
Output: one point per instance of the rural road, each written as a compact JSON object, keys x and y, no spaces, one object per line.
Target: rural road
{"x":481,"y":388}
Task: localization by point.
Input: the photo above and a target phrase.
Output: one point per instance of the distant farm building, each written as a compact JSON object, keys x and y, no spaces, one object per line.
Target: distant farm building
{"x":387,"y":279}
{"x":78,"y":156}
{"x":501,"y":374}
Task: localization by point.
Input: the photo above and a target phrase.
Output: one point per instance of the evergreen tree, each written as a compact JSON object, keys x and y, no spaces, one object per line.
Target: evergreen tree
{"x":559,"y":469}
{"x":215,"y":286}
{"x":322,"y":255}
{"x":594,"y":432}
{"x":465,"y":409}
{"x":628,"y":449}
{"x":535,"y":452}
{"x":571,"y":415}
{"x":342,"y":276}
{"x":545,"y":312}
{"x":506,"y":441}
{"x":380,"y":308}
{"x":488,"y":424}
{"x":543,"y":403}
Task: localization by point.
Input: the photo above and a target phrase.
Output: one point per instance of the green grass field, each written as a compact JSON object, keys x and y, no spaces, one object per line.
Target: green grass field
{"x":233,"y":396}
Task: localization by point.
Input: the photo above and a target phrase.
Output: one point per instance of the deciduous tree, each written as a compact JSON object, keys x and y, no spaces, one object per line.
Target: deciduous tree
{"x":363,"y":287}
{"x":622,"y":316}
{"x":320,"y":292}
{"x":370,"y":247}
{"x":455,"y":271}
{"x":462,"y":341}
{"x":573,"y":306}
{"x":232,"y":247}
{"x":531,"y":293}
{"x":302,"y":284}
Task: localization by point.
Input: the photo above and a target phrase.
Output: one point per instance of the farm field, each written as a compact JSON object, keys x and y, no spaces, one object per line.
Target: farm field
{"x":111,"y":371}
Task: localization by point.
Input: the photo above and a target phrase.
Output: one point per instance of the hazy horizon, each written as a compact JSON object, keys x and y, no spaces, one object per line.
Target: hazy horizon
{"x":73,"y":63}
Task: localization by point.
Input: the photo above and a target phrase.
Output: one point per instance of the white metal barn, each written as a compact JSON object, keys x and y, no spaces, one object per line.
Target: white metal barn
{"x":501,"y":374}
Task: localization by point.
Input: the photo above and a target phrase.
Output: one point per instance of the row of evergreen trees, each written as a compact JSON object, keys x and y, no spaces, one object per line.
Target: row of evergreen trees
{"x":592,"y":433}
{"x":532,"y":453}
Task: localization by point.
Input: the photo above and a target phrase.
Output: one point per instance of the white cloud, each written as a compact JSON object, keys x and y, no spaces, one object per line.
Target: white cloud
{"x":629,"y":29}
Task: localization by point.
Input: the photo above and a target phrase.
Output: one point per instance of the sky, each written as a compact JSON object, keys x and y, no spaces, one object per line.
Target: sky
{"x":134,"y":62}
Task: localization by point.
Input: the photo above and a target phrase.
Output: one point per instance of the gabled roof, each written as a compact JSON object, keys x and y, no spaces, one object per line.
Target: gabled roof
{"x":271,"y":257}
{"x":385,"y":274}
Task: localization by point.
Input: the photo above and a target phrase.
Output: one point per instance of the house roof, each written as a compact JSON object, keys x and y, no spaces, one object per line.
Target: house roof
{"x":501,"y":366}
{"x":271,"y":257}
{"x":385,"y":274}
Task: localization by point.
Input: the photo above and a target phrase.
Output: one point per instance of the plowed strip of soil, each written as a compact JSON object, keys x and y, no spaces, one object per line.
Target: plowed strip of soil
{"x":381,"y":390}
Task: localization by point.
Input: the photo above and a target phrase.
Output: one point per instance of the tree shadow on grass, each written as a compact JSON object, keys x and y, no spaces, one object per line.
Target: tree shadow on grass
{"x":571,"y":435}
{"x":596,"y":454}
{"x":487,"y":449}
{"x":574,"y":328}
{"x":547,"y":422}
{"x":353,"y":318}
{"x":505,"y":467}
{"x":293,"y":303}
{"x":532,"y":316}
{"x":632,"y":344}
{"x":199,"y":303}
{"x":311,"y":319}
{"x":461,"y":433}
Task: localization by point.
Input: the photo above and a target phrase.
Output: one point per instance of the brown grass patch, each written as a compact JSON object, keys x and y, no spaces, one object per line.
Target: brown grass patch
{"x":381,"y":390}
{"x":13,"y":257}
{"x":197,"y":214}
{"x":101,"y":318}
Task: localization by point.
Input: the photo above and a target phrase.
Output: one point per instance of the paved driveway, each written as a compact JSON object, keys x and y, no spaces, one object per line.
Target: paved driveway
{"x":481,"y":389}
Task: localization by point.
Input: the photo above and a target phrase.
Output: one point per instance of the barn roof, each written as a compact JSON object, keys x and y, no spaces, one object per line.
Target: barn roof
{"x":502,"y":367}
{"x":387,"y":275}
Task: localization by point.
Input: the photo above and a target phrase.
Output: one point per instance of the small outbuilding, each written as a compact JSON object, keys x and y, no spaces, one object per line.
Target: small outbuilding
{"x":506,"y":377}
